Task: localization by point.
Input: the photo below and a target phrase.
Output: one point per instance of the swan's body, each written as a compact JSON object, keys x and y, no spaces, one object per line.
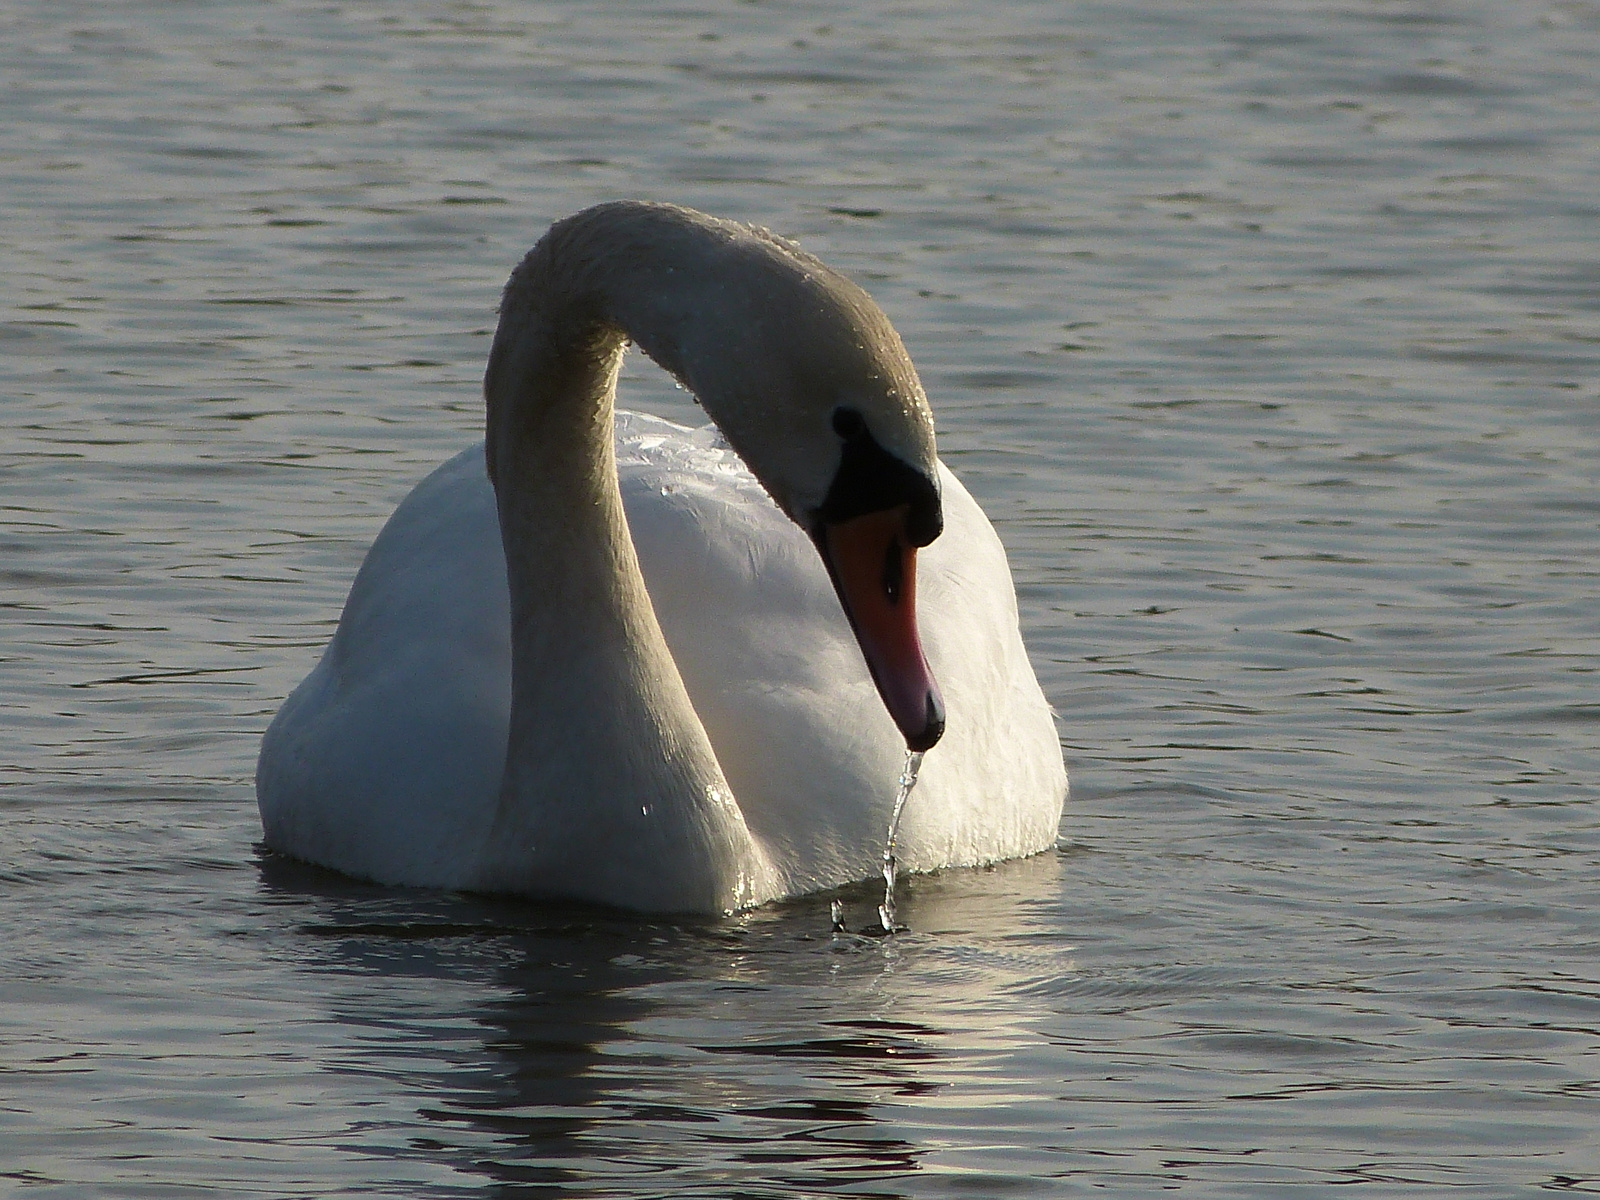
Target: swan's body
{"x":505,"y":707}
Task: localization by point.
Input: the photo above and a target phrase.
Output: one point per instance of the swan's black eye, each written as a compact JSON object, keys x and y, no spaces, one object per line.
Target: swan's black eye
{"x":847,"y":423}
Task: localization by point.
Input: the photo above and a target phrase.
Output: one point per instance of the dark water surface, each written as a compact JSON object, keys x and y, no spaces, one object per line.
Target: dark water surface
{"x":1268,"y":335}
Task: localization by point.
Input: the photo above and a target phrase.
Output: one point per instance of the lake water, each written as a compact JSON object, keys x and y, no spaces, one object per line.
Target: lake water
{"x":1267,"y":333}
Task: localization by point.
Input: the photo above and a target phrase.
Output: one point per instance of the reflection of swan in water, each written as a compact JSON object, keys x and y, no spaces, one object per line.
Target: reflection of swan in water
{"x":597,"y":1052}
{"x":714,"y":742}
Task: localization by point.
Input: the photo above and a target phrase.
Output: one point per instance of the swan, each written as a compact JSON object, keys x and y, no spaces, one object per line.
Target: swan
{"x":665,"y":669}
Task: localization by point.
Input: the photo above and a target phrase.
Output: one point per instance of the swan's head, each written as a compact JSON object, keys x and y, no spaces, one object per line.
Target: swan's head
{"x":877,"y":511}
{"x":813,"y":388}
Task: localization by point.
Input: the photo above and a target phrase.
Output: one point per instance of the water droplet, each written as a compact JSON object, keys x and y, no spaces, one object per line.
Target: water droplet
{"x":908,"y":780}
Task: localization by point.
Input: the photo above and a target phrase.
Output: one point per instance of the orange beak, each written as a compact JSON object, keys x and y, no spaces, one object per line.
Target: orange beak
{"x":874,"y":570}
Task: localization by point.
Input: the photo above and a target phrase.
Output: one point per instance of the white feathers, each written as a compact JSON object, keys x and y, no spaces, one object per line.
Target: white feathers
{"x":387,"y":761}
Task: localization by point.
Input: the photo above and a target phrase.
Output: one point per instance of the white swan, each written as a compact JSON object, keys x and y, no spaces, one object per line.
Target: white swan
{"x":505,"y":706}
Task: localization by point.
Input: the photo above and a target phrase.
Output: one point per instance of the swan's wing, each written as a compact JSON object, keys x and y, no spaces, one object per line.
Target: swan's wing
{"x":386,"y":761}
{"x":776,"y":676}
{"x":765,"y":653}
{"x":996,"y":782}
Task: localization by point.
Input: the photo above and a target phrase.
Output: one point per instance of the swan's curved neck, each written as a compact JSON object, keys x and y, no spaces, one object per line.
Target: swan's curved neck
{"x":611,"y":786}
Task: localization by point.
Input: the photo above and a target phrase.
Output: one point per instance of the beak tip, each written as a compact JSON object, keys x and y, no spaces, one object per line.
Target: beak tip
{"x":932,"y":726}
